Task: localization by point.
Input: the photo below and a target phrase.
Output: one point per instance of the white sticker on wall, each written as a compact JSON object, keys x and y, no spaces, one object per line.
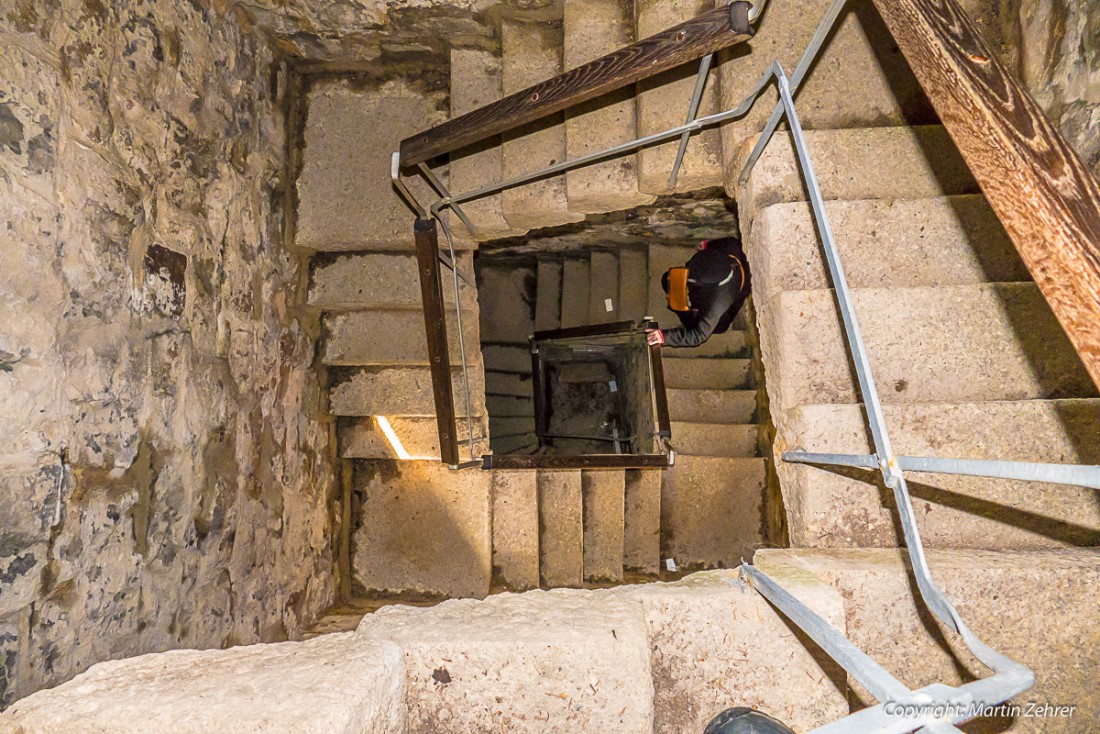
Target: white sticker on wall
{"x":607,"y":305}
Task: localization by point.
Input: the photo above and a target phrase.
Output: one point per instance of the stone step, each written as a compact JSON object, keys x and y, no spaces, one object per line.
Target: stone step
{"x":532,"y":53}
{"x":421,"y":529}
{"x":507,"y":383}
{"x":521,"y":444}
{"x":505,"y":358}
{"x":712,"y":510}
{"x":476,"y":81}
{"x":633,"y":284}
{"x":732,"y":344}
{"x":506,"y":294}
{"x":642,"y":521}
{"x":950,"y":344}
{"x":603,"y":497}
{"x":524,"y":663}
{"x":376,"y":280}
{"x":712,"y":406}
{"x":403,"y":437}
{"x":905,"y":243}
{"x":663,"y":102}
{"x":501,"y":406}
{"x":511,"y":426}
{"x":515,"y":530}
{"x":561,"y":528}
{"x":547,"y":298}
{"x":923,"y":164}
{"x":340,"y":683}
{"x":848,"y":508}
{"x":716,"y":644}
{"x":593,"y":28}
{"x":712,"y":439}
{"x":399,"y":391}
{"x":396,"y":338}
{"x":1036,"y":607}
{"x":603,"y":288}
{"x":706,"y":374}
{"x":346,"y":200}
{"x":575,"y":282}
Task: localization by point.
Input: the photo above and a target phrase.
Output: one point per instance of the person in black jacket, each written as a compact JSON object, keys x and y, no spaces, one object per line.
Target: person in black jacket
{"x":706,"y":294}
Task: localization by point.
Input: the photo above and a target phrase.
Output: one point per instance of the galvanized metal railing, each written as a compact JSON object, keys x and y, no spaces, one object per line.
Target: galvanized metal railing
{"x":933,"y":708}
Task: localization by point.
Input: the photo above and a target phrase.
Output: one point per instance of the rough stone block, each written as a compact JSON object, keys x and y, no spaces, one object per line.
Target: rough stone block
{"x":949,"y":344}
{"x":505,"y":358}
{"x":1037,"y":607}
{"x":364,"y":338}
{"x":663,"y":102}
{"x":706,"y":374}
{"x":547,"y":298}
{"x":603,"y":288}
{"x":507,"y":298}
{"x":532,"y":53}
{"x":346,"y":200}
{"x":604,"y":502}
{"x":335,"y":683}
{"x":475,"y":82}
{"x":541,"y":661}
{"x":903,"y":243}
{"x":401,"y":391}
{"x":592,"y":29}
{"x":575,"y":283}
{"x":516,"y":530}
{"x":508,"y":383}
{"x":713,"y":439}
{"x":712,"y":406}
{"x":561,"y":528}
{"x":376,"y":281}
{"x":422,"y":529}
{"x":504,"y":406}
{"x":924,"y":164}
{"x":642,"y":521}
{"x":711,"y":510}
{"x":633,"y":284}
{"x":715,"y":643}
{"x":852,"y":508}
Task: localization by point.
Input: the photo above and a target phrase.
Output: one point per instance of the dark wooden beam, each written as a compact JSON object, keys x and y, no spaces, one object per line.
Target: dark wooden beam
{"x":1047,"y":199}
{"x":707,"y":33}
{"x":435,"y":327}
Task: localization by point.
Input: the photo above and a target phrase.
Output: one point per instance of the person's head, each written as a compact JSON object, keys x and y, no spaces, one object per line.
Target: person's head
{"x":705,"y":271}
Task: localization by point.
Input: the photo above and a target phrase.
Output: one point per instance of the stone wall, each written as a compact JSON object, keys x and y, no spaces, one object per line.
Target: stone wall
{"x":164,"y":478}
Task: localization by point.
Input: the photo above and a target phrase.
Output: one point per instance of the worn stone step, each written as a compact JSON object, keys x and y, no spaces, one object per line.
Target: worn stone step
{"x":706,"y":374}
{"x":557,"y":661}
{"x":603,"y":497}
{"x":712,"y":406}
{"x":377,"y":280}
{"x":663,"y":103}
{"x":422,"y":528}
{"x":712,"y":510}
{"x":547,"y":297}
{"x":502,"y":406}
{"x":561,"y":528}
{"x":732,"y":344}
{"x":507,"y":358}
{"x":376,"y":337}
{"x":404,"y":391}
{"x":403,"y":437}
{"x":951,"y":344}
{"x":575,"y":282}
{"x":346,"y":200}
{"x":711,"y":439}
{"x":1036,"y":607}
{"x":633,"y":284}
{"x":715,"y":644}
{"x":923,"y":163}
{"x":848,"y":508}
{"x":603,"y":288}
{"x":506,"y":295}
{"x":515,"y":530}
{"x":339,"y":683}
{"x":476,"y":81}
{"x":532,"y":53}
{"x":521,"y":444}
{"x":642,"y":521}
{"x":511,"y":426}
{"x":593,"y":28}
{"x":508,"y":383}
{"x":951,"y":240}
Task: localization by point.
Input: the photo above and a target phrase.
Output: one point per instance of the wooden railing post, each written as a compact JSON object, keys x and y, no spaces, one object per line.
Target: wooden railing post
{"x":1047,"y":199}
{"x":435,"y":327}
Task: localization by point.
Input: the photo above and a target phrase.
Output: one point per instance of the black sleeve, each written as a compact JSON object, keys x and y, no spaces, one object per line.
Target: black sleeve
{"x":693,"y":336}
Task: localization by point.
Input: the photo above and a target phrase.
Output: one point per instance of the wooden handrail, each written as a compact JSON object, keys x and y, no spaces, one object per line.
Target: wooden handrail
{"x":1047,"y":199}
{"x":714,"y":30}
